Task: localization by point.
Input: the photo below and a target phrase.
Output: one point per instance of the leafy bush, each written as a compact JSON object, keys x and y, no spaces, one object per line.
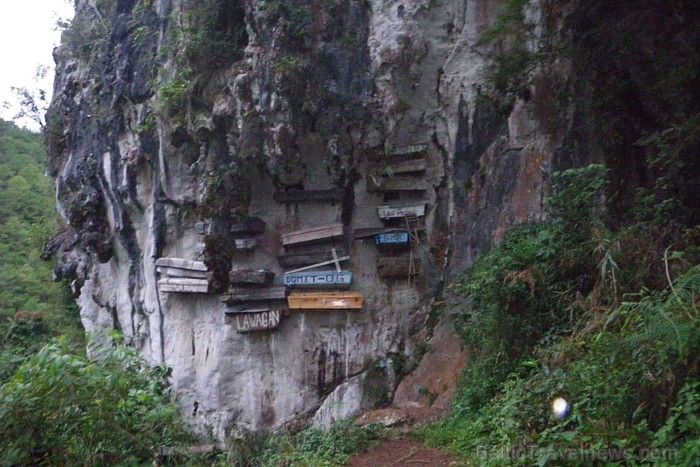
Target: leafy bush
{"x":555,"y":310}
{"x":61,"y":408}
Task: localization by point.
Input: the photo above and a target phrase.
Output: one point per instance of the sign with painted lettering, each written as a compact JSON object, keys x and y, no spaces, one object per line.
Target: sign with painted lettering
{"x":318,"y":278}
{"x":392,"y":238}
{"x":257,"y":320}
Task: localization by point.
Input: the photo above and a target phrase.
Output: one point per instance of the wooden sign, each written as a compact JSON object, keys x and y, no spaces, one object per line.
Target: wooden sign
{"x":392,"y":238}
{"x":318,"y":278}
{"x":395,"y":212}
{"x":256,"y":319}
{"x":309,"y":196}
{"x":183,"y":285}
{"x":325,"y":301}
{"x":313,"y":234}
{"x":391,"y":268}
{"x":251,"y":276}
{"x":237,"y":295}
{"x":249,"y":227}
{"x":290,"y":260}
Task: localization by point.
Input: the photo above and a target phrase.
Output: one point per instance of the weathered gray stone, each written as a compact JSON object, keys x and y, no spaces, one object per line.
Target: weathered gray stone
{"x":143,"y":173}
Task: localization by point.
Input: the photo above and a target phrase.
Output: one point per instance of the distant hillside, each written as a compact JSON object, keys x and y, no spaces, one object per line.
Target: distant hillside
{"x":32,"y":307}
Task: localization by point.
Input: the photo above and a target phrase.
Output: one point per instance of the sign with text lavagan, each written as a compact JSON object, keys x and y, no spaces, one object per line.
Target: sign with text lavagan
{"x":256,"y":320}
{"x":318,"y":278}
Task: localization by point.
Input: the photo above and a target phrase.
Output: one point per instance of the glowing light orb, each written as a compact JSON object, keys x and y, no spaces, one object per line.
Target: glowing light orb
{"x":560,"y":407}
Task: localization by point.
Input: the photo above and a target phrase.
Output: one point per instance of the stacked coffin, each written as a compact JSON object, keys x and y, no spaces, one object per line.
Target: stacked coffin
{"x":312,"y":251}
{"x":179,"y":275}
{"x":255,"y":305}
{"x":404,"y":221}
{"x":403,"y":172}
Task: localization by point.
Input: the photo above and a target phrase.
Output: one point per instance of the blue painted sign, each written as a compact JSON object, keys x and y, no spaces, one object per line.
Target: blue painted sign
{"x":392,"y":238}
{"x":318,"y":278}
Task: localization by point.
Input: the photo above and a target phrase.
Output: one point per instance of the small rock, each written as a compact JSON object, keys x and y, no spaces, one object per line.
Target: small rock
{"x":386,"y":417}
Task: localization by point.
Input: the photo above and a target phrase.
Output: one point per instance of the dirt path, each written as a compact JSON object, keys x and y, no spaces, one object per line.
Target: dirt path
{"x":402,"y":452}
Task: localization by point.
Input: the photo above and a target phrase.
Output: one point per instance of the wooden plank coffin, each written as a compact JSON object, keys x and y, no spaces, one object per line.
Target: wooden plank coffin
{"x":177,"y":272}
{"x":391,"y":268}
{"x":291,"y":260}
{"x":255,"y":319}
{"x":237,"y":295}
{"x":246,"y":244}
{"x":396,"y":238}
{"x":312,"y":235}
{"x":309,"y":196}
{"x":183,"y":285}
{"x":413,"y":166}
{"x":395,"y":212}
{"x":370,"y":232}
{"x":257,"y":277}
{"x":408,"y":149}
{"x":380,"y":184}
{"x":248,"y":227}
{"x":180,"y":263}
{"x":318,"y":278}
{"x":325,"y":301}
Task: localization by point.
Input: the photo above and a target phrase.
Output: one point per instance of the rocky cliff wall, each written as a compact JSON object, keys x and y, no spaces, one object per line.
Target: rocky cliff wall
{"x":175,"y":121}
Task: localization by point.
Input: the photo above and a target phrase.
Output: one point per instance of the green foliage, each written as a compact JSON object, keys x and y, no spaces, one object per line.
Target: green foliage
{"x":311,"y":447}
{"x":61,"y":408}
{"x":32,"y":307}
{"x":551,"y":312}
{"x":512,"y":56}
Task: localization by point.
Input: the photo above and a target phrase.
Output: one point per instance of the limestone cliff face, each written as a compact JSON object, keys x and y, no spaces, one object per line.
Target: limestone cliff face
{"x":175,"y":120}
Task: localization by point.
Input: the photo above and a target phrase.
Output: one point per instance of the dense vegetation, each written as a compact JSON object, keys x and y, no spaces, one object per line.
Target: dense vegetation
{"x":33,"y":309}
{"x":57,"y":406}
{"x":599,"y":304}
{"x":606,"y":319}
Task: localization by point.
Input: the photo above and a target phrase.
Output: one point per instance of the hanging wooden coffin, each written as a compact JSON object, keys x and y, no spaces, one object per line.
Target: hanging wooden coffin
{"x":255,"y":319}
{"x":381,"y":184}
{"x":313,"y":235}
{"x":395,"y":212}
{"x":397,"y":238}
{"x":176,"y":272}
{"x":318,"y":278}
{"x":246,"y":244}
{"x":408,"y":150}
{"x":183,"y":285}
{"x":325,"y":301}
{"x":249,"y":227}
{"x":260,"y":277}
{"x":180,"y":263}
{"x":238,"y":295}
{"x":291,"y":260}
{"x":177,"y":267}
{"x":309,"y":196}
{"x":391,"y":268}
{"x":413,"y":166}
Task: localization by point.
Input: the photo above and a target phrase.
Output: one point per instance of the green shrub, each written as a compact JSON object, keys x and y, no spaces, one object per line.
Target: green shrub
{"x":62,"y":408}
